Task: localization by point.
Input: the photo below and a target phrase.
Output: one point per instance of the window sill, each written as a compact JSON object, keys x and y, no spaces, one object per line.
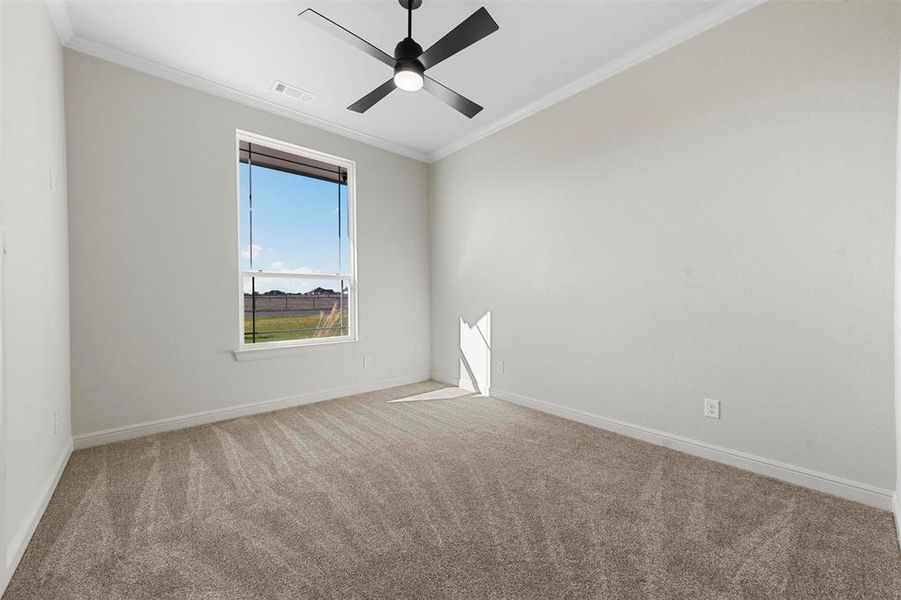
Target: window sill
{"x":279,"y":350}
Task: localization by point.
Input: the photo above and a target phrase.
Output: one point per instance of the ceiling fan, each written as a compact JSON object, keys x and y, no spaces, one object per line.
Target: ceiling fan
{"x":409,"y":61}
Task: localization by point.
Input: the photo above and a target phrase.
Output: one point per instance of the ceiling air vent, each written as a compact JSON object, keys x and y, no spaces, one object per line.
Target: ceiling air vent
{"x":293,"y":92}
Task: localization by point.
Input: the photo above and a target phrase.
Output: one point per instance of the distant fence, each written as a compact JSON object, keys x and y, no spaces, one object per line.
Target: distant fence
{"x":289,"y":302}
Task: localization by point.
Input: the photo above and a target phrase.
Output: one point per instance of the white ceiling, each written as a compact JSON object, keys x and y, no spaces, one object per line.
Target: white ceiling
{"x":238,"y":48}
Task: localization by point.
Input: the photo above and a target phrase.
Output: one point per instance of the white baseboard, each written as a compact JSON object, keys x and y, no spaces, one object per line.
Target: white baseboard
{"x":822,"y":482}
{"x":20,"y":539}
{"x":460,"y":382}
{"x":451,"y":380}
{"x":127,"y":432}
{"x":896,"y":508}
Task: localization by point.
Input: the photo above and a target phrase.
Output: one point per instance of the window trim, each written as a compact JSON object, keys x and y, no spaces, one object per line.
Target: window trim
{"x":243,"y":350}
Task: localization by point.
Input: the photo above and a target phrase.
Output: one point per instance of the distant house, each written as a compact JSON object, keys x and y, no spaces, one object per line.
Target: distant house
{"x":321,"y":292}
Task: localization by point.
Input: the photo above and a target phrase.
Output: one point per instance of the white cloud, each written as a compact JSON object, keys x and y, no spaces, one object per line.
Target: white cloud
{"x":279,"y":267}
{"x":252,"y":252}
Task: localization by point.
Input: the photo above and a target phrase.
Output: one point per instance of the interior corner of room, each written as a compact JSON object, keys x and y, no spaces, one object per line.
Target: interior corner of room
{"x":692,"y":246}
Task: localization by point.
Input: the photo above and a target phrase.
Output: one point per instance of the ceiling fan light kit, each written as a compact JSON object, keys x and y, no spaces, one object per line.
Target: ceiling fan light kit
{"x":407,"y":79}
{"x":410,"y":62}
{"x":408,"y":74}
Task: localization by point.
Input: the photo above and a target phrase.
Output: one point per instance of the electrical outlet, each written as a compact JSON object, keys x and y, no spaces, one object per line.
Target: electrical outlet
{"x":711,"y":408}
{"x":500,"y":366}
{"x":54,"y":422}
{"x":367,"y":362}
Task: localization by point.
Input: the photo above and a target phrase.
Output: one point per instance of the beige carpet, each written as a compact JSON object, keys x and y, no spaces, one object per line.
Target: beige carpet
{"x":368,"y":497}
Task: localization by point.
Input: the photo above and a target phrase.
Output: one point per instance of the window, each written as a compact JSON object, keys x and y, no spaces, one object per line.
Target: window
{"x":297,"y":261}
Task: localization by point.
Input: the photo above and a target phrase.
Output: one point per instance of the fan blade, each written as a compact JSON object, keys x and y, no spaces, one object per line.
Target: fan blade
{"x":348,"y":37}
{"x":478,"y":25}
{"x":451,"y":98}
{"x":369,"y":100}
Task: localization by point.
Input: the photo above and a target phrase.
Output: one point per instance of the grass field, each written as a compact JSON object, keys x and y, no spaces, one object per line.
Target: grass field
{"x":297,"y":327}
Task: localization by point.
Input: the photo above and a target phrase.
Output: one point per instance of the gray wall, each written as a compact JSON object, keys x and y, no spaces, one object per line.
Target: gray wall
{"x":153,"y":223}
{"x":35,"y":327}
{"x":715,"y":222}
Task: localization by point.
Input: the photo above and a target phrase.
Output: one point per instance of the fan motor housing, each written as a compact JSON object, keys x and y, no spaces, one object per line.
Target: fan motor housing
{"x":407,"y":50}
{"x":407,"y":54}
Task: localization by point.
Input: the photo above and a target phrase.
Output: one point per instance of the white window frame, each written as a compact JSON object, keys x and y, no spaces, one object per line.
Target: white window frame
{"x":262,"y":349}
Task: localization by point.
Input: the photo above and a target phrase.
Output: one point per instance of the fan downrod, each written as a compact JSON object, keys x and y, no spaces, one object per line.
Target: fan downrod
{"x":406,"y":4}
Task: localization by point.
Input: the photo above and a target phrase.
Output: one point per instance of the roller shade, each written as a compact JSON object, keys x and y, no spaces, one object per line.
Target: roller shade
{"x":263,"y":156}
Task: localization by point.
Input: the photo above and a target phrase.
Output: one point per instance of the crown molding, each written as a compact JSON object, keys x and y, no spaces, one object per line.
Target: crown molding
{"x":59,"y":14}
{"x":155,"y":69}
{"x":681,"y":33}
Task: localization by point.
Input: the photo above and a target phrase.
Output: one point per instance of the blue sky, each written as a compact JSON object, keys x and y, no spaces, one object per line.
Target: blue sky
{"x":295,"y":228}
